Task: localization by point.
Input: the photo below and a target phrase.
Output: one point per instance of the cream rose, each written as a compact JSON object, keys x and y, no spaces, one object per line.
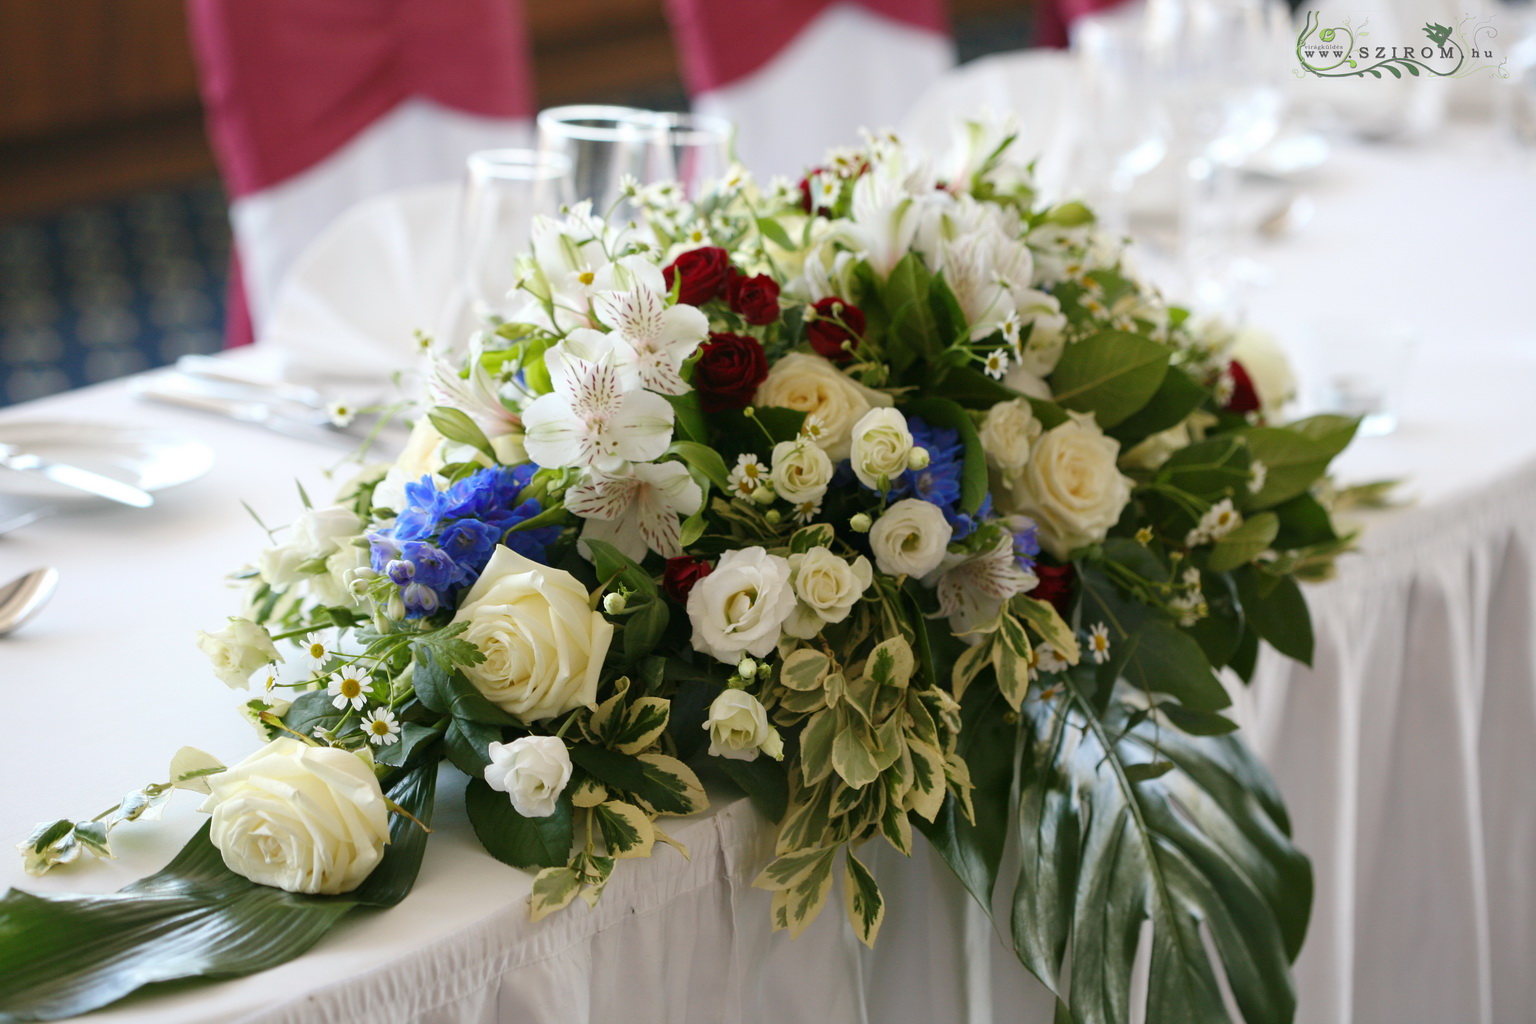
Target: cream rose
{"x":740,"y":607}
{"x":1007,"y":433}
{"x":801,"y":471}
{"x":910,"y":538}
{"x":1072,"y":486}
{"x":237,"y":650}
{"x":826,"y":589}
{"x":301,"y":818}
{"x":738,"y":728}
{"x":543,"y":644}
{"x":880,"y":446}
{"x":812,"y":385}
{"x":532,"y":770}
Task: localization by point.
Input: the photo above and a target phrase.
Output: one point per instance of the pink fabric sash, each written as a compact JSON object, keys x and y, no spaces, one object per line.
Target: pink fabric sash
{"x":1056,"y":17}
{"x":721,"y":41}
{"x":288,"y":82}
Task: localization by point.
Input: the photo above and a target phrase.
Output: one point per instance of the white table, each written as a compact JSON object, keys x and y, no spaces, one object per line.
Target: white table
{"x":1405,"y":755}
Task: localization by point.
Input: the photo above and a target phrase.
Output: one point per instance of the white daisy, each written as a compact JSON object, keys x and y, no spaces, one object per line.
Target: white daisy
{"x":1098,"y":643}
{"x":339,"y":413}
{"x":1257,"y":474}
{"x":348,"y":686}
{"x":997,"y":364}
{"x":806,"y":511}
{"x":1219,"y":520}
{"x":319,"y":647}
{"x":748,"y":476}
{"x":1047,"y":660}
{"x":381,"y":727}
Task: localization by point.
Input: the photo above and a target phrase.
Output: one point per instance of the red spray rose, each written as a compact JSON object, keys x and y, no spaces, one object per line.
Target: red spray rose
{"x":835,"y":322}
{"x":755,"y":298}
{"x":1055,"y":586}
{"x":730,"y":368}
{"x":681,"y":574}
{"x":705,"y":273}
{"x":1245,"y":397}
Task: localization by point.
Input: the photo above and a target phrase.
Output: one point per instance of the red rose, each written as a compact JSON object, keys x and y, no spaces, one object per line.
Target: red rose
{"x":755,"y":298}
{"x":835,"y":322}
{"x":681,"y":574}
{"x":705,"y":273}
{"x":730,"y":368}
{"x":1245,"y":398}
{"x":1055,"y":586}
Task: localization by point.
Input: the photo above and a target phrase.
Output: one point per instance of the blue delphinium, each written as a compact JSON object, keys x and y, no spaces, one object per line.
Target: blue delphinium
{"x":1026,"y":545}
{"x":442,"y":540}
{"x":939,"y":481}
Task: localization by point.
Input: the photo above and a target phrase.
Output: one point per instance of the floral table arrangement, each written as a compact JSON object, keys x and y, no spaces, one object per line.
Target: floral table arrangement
{"x":893,"y":498}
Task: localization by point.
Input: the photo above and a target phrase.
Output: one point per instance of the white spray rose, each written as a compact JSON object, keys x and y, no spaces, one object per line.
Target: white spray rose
{"x":826,"y":589}
{"x":738,"y":728}
{"x":301,"y":818}
{"x":543,"y":644}
{"x":812,"y":385}
{"x":237,"y":650}
{"x":532,"y":770}
{"x":740,"y":607}
{"x":317,"y":534}
{"x":910,"y":538}
{"x":1008,"y":432}
{"x":880,"y":446}
{"x":1072,"y":486}
{"x":801,"y":471}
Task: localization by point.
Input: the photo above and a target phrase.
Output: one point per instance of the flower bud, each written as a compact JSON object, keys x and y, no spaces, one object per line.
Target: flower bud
{"x":860,"y":523}
{"x":765,"y":494}
{"x":917,"y":459}
{"x":747,"y":669}
{"x":614,"y":603}
{"x":773,"y":517}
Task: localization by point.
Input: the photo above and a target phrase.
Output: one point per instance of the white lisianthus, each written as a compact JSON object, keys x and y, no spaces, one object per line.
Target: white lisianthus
{"x":301,"y":818}
{"x":910,"y":538}
{"x":812,"y":385}
{"x":826,"y":589}
{"x":880,"y":447}
{"x":317,"y":534}
{"x":1008,"y":432}
{"x":801,"y":471}
{"x":738,"y":728}
{"x":740,"y":607}
{"x":1072,"y":487}
{"x":543,"y":644}
{"x":237,"y":650}
{"x":532,"y":770}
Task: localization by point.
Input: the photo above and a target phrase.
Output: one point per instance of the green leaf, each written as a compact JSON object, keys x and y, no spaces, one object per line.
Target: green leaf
{"x":1176,"y":397}
{"x":65,"y":955}
{"x":1112,"y":374}
{"x":612,"y":564}
{"x":625,"y":828}
{"x":852,"y":758}
{"x":1303,"y":523}
{"x":762,"y":779}
{"x":913,"y":333}
{"x":689,"y":418}
{"x":1211,"y":469}
{"x":412,"y":736}
{"x":1331,"y":433}
{"x":1243,"y":544}
{"x":862,"y":900}
{"x":1277,"y":611}
{"x":775,"y":233}
{"x":1197,"y":723}
{"x":704,"y":459}
{"x":975,"y":390}
{"x":1293,"y":462}
{"x":456,"y":426}
{"x":450,"y":693}
{"x":1204,"y":842}
{"x":553,"y":889}
{"x":949,"y":319}
{"x":512,"y":838}
{"x":465,"y":743}
{"x":817,"y":535}
{"x":942,"y":412}
{"x":643,"y":722}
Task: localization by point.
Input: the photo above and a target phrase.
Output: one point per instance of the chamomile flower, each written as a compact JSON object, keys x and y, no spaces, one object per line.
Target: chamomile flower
{"x":340,"y":413}
{"x":1095,"y":308}
{"x":319,"y":647}
{"x":1047,"y":660}
{"x":997,"y":363}
{"x":813,"y":429}
{"x":1098,"y":643}
{"x":1257,"y":474}
{"x":1144,"y":536}
{"x":348,"y":686}
{"x":748,"y":475}
{"x":807,"y":510}
{"x":381,"y":728}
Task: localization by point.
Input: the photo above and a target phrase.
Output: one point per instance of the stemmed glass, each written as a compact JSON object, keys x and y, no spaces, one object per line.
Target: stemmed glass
{"x":691,"y":149}
{"x":504,"y":191}
{"x":604,"y":144}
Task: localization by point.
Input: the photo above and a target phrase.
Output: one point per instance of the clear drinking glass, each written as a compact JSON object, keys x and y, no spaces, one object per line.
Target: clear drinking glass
{"x":604,"y":144}
{"x":504,"y":190}
{"x":690,"y":149}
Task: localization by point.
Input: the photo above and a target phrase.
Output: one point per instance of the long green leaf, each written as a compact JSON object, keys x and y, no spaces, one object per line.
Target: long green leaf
{"x":64,"y":955}
{"x":941,"y":412}
{"x":1112,"y":375}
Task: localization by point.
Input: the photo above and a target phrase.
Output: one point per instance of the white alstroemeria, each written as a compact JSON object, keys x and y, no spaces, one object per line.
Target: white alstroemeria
{"x":590,"y":419}
{"x":973,"y":141}
{"x":478,"y":395}
{"x":972,"y":588}
{"x":651,"y":337}
{"x":639,"y":510}
{"x":885,"y":215}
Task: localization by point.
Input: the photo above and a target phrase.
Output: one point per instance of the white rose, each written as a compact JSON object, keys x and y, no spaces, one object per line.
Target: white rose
{"x":826,"y":588}
{"x":801,"y":471}
{"x":279,"y":566}
{"x":741,"y":606}
{"x":532,"y":770}
{"x":738,"y":728}
{"x":1072,"y":486}
{"x":910,"y":538}
{"x":237,"y":650}
{"x":301,"y":818}
{"x":880,"y":446}
{"x":812,"y":385}
{"x":1007,"y":433}
{"x":543,"y":644}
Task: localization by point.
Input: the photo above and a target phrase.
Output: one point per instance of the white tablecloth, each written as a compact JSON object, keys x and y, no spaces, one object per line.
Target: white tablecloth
{"x":1405,"y":755}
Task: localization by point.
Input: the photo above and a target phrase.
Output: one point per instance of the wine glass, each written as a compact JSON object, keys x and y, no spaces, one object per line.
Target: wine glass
{"x":505,"y":190}
{"x":691,"y":149}
{"x":605,"y":145}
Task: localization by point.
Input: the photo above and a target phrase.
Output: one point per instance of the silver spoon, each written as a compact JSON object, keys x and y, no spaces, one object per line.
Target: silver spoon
{"x":25,"y":596}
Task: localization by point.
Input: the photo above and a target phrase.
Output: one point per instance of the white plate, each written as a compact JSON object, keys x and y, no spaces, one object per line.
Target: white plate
{"x":148,"y":458}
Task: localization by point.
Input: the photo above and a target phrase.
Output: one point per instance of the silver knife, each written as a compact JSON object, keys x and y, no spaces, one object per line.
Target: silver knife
{"x":12,"y":457}
{"x":174,"y":390}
